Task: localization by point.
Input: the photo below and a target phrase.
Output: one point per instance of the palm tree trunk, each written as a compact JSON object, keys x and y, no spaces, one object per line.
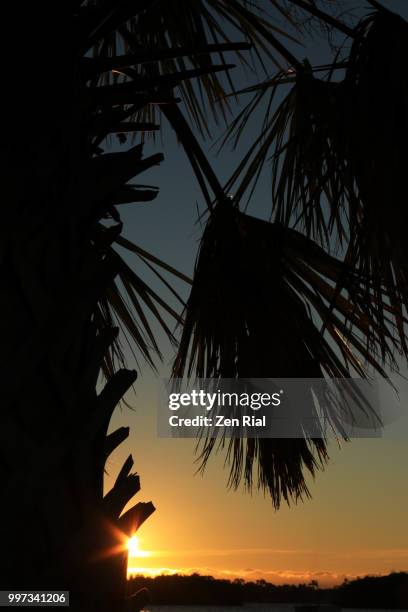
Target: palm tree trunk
{"x":56,"y":529}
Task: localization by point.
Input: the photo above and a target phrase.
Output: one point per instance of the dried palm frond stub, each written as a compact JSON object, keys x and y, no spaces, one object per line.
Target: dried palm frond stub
{"x":258,"y":294}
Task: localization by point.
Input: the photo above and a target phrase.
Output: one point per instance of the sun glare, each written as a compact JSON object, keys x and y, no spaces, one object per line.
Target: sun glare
{"x":133,"y":546}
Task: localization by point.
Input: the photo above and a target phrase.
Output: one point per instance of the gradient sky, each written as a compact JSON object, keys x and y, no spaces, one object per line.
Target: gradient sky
{"x":355,"y":522}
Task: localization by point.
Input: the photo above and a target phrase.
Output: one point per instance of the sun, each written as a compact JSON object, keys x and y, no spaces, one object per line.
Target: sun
{"x":133,"y":546}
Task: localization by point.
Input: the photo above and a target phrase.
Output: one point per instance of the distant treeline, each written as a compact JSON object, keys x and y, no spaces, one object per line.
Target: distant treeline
{"x":389,"y":592}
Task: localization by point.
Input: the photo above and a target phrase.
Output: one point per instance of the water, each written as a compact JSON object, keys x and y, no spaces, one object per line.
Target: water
{"x":245,"y":608}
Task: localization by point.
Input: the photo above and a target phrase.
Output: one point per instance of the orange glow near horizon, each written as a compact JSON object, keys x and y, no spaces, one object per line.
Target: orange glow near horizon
{"x":353,"y":526}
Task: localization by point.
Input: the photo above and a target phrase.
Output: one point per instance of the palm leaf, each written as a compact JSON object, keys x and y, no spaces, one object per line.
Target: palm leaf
{"x":162,"y":27}
{"x":376,"y":133}
{"x":339,"y":156}
{"x":130,"y":303}
{"x":258,"y":294}
{"x":311,"y":182}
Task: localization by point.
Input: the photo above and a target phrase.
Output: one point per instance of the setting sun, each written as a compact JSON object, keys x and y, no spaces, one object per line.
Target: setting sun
{"x":133,"y":546}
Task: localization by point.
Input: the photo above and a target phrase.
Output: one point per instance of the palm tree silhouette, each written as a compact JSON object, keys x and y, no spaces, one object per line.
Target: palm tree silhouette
{"x":90,"y":69}
{"x":277,"y":284}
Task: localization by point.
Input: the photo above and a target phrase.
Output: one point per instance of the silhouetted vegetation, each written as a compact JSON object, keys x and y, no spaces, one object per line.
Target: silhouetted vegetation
{"x":374,"y":592}
{"x":387,"y":592}
{"x":206,"y":590}
{"x":72,"y":306}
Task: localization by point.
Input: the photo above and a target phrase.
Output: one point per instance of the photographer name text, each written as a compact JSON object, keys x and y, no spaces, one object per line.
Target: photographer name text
{"x":218,"y":421}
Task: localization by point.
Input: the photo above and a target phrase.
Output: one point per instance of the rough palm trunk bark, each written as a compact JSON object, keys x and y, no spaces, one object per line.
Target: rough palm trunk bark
{"x":55,"y":526}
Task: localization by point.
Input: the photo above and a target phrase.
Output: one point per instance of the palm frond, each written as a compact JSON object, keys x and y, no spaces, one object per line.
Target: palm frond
{"x":311,"y":181}
{"x":268,"y":302}
{"x":376,"y":132}
{"x":96,"y":66}
{"x":324,"y":17}
{"x":338,"y":156}
{"x":129,"y":303}
{"x":168,"y":30}
{"x":303,"y":138}
{"x":273,"y":465}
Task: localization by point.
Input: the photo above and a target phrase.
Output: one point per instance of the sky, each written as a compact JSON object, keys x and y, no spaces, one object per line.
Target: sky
{"x":355,"y":522}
